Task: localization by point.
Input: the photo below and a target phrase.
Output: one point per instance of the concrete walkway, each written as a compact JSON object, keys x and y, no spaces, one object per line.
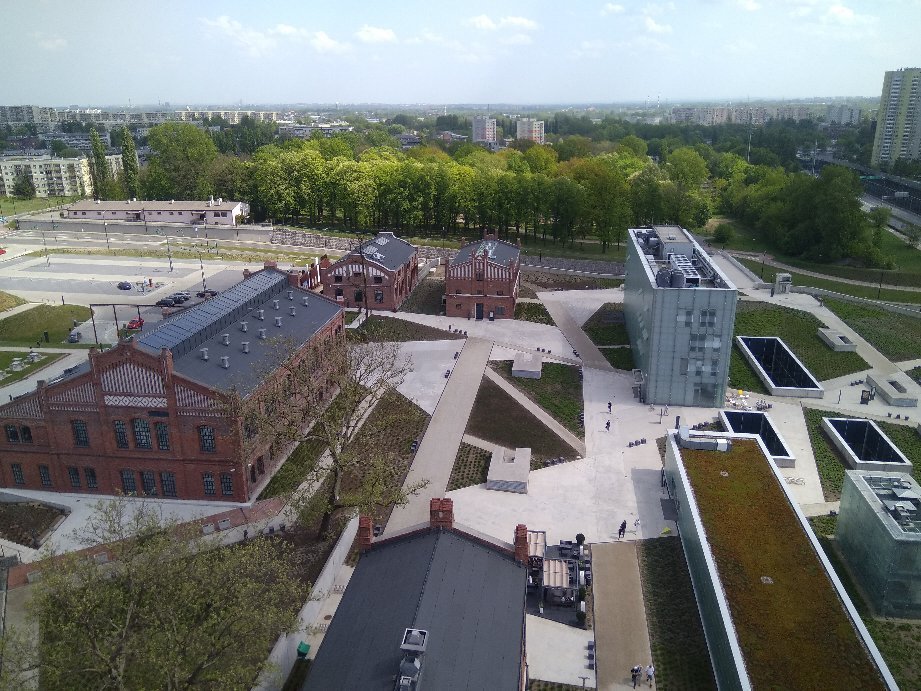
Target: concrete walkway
{"x":591,"y":356}
{"x":621,"y":635}
{"x":17,"y":309}
{"x":558,"y":652}
{"x":536,"y":411}
{"x":438,"y":449}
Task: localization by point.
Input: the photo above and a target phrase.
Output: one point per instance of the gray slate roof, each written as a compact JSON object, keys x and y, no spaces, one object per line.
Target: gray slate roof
{"x":90,"y":205}
{"x":203,"y":326}
{"x":498,"y":252}
{"x":386,"y":249}
{"x":469,"y":597}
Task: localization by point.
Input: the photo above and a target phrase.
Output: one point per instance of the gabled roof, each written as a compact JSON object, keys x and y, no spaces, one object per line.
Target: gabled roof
{"x":496,"y":251}
{"x":469,"y":596}
{"x":385,"y":249}
{"x":90,"y":205}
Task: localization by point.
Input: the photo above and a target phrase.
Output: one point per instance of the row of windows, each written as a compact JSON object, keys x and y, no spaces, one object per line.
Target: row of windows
{"x":129,"y":480}
{"x":337,"y":278}
{"x":18,"y":435}
{"x":44,"y":475}
{"x":707,"y":318}
{"x":360,"y":296}
{"x":140,"y":430}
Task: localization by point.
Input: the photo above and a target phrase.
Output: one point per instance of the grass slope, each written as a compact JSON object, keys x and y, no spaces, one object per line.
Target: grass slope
{"x":426,"y":298}
{"x":896,"y":336}
{"x":533,"y":312}
{"x":606,"y":326}
{"x":9,"y":301}
{"x":390,"y":329}
{"x":558,"y":391}
{"x":471,"y":465}
{"x":25,"y":328}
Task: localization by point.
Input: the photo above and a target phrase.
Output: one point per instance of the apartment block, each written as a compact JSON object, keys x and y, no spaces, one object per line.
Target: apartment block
{"x":27,"y":115}
{"x":844,"y":115}
{"x":531,"y":129}
{"x":231,"y":116}
{"x":484,"y":129}
{"x":680,"y":312}
{"x":898,"y":126}
{"x":53,"y":177}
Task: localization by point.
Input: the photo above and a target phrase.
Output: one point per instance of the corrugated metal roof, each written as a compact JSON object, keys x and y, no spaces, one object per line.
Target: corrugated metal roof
{"x":469,"y":597}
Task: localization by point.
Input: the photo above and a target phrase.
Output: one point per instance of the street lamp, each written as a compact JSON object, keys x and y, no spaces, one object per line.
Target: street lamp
{"x":169,"y":255}
{"x":45,"y":243}
{"x":204,"y":286}
{"x":105,"y":228}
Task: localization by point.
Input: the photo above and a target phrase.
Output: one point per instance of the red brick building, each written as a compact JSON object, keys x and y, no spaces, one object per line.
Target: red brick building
{"x":482,"y":280}
{"x":386,"y":267}
{"x":157,"y":416}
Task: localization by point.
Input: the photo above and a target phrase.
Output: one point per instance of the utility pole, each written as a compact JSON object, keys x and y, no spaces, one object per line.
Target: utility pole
{"x":364,"y":277}
{"x":45,"y":243}
{"x":105,"y":227}
{"x":169,"y":255}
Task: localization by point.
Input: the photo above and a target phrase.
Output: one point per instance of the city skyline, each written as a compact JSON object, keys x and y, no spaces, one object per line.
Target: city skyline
{"x":595,"y":52}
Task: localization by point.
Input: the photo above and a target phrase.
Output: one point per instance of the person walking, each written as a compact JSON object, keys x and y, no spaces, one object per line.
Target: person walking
{"x":609,"y":407}
{"x":650,"y":673}
{"x":635,"y":672}
{"x":607,"y":426}
{"x":622,"y":530}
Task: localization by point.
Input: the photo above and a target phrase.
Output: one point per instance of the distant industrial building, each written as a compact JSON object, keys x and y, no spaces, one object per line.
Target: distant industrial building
{"x":898,"y":124}
{"x":680,"y":312}
{"x":530,"y":129}
{"x":482,"y":280}
{"x":484,"y":129}
{"x":216,"y":212}
{"x":53,"y":177}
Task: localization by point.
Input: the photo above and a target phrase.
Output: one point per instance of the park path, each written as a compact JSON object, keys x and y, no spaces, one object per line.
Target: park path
{"x":621,"y":636}
{"x":591,"y":356}
{"x":17,"y":309}
{"x":435,"y":457}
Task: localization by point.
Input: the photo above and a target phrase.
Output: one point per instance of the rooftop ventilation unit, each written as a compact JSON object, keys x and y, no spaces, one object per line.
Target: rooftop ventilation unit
{"x":262,"y":334}
{"x":225,"y":339}
{"x":414,"y":640}
{"x":225,"y":361}
{"x":260,"y":315}
{"x":204,"y":353}
{"x":275,"y":304}
{"x":290,"y":294}
{"x":306,"y":300}
{"x":293,"y":311}
{"x":245,"y":345}
{"x":680,"y":264}
{"x":277,"y":321}
{"x":244,"y":326}
{"x":663,"y":278}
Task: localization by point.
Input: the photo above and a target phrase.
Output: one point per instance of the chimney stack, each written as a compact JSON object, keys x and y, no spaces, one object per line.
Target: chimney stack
{"x":245,"y":345}
{"x":225,"y":339}
{"x":521,"y":543}
{"x":225,"y":361}
{"x":306,"y":300}
{"x":262,"y":334}
{"x":275,"y":304}
{"x":243,"y":326}
{"x":365,"y":533}
{"x":441,"y":513}
{"x":291,"y":293}
{"x":204,"y":353}
{"x":293,"y":311}
{"x":277,"y":321}
{"x":260,"y":315}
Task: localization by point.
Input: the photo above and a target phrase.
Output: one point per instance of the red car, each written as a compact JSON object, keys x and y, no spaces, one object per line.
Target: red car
{"x":136,"y":324}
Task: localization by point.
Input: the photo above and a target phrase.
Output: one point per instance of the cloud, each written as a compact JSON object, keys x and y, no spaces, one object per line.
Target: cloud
{"x":740,"y":46}
{"x":484,"y":22}
{"x":49,"y":42}
{"x":749,"y":5}
{"x":260,"y":43}
{"x":654,"y":27}
{"x":323,"y":43}
{"x":374,"y":34}
{"x":589,"y":49}
{"x":611,"y":8}
{"x":517,"y":40}
{"x":845,"y":16}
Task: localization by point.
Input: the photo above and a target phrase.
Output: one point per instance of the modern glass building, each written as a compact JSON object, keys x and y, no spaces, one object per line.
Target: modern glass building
{"x":680,"y":311}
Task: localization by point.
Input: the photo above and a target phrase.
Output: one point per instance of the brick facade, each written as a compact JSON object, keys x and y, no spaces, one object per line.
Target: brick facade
{"x":481,"y":286}
{"x":347,"y":279}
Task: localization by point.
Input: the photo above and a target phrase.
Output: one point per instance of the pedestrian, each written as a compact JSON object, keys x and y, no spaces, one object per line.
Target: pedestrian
{"x":622,"y":530}
{"x":609,"y":407}
{"x":607,"y":425}
{"x":635,"y":674}
{"x":650,"y":673}
{"x":636,"y":526}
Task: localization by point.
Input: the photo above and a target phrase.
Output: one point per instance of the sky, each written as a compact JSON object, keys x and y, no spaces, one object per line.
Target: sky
{"x":125,"y":52}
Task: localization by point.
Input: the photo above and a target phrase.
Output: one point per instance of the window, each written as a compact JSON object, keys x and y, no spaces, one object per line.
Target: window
{"x":74,"y":475}
{"x":149,"y":483}
{"x":162,"y":436}
{"x":226,"y":485}
{"x":81,"y":436}
{"x":378,"y":279}
{"x":168,"y":482}
{"x":45,"y":475}
{"x":714,"y":367}
{"x":359,"y":296}
{"x":25,"y":434}
{"x":90,"y":475}
{"x":141,"y":433}
{"x":686,"y":317}
{"x":338,"y":292}
{"x":708,"y":318}
{"x":18,"y":477}
{"x":208,"y":480}
{"x":683,"y":366}
{"x":378,"y":296}
{"x":500,"y":310}
{"x":337,"y":278}
{"x":129,"y":484}
{"x":479,"y":275}
{"x":500,"y":292}
{"x":206,"y":439}
{"x":12,"y":434}
{"x":698,"y":341}
{"x":121,"y":434}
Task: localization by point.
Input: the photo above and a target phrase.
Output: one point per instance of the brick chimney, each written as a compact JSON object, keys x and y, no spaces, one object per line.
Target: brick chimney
{"x":269,"y":264}
{"x":294,"y":278}
{"x":365,"y":533}
{"x":247,"y":273}
{"x":441,"y":513}
{"x":521,"y":543}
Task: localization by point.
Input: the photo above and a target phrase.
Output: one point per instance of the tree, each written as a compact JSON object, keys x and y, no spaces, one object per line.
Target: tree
{"x":130,"y":165}
{"x":24,"y":188}
{"x":180,"y":164}
{"x":359,"y":471}
{"x":912,"y":234}
{"x":723,"y":234}
{"x":99,"y":166}
{"x":172,"y":609}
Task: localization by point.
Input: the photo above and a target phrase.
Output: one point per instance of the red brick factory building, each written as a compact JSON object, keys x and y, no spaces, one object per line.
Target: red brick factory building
{"x":482,"y":280}
{"x":385,"y":266}
{"x":156,"y":416}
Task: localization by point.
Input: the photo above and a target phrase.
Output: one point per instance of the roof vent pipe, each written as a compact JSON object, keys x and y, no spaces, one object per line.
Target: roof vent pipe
{"x":293,"y":311}
{"x":277,"y":321}
{"x":275,"y":304}
{"x":262,"y":333}
{"x":260,"y":315}
{"x":204,"y":353}
{"x":245,"y":345}
{"x":290,"y":294}
{"x":225,"y":339}
{"x":225,"y":361}
{"x":306,"y":300}
{"x":244,"y":326}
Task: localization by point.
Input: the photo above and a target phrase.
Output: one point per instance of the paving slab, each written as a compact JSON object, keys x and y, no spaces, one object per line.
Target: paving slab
{"x":558,"y":652}
{"x":577,"y":338}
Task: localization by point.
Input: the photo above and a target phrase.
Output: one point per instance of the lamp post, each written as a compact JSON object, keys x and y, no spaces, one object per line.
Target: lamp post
{"x":879,"y":290}
{"x":105,"y":228}
{"x":169,"y":255}
{"x":201,"y":264}
{"x":762,"y":265}
{"x":45,"y":243}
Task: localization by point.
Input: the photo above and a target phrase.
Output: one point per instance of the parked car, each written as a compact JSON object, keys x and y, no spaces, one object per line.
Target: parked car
{"x":75,"y":337}
{"x":166,"y":302}
{"x":136,"y":324}
{"x":206,"y":293}
{"x":178,"y":298}
{"x":124,"y":285}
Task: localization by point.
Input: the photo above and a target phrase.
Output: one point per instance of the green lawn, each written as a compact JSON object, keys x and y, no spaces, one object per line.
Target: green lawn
{"x":10,"y":206}
{"x":426,"y":298}
{"x":606,"y":326}
{"x":895,"y":336}
{"x":294,"y":470}
{"x":532,"y":281}
{"x":558,"y":391}
{"x":178,"y":250}
{"x":471,"y":466}
{"x":915,"y":374}
{"x":7,"y":356}
{"x":533,"y":312}
{"x":799,"y":330}
{"x":499,"y":419}
{"x":391,"y":329}
{"x":620,"y":358}
{"x":350,"y":316}
{"x":676,"y":635}
{"x":25,"y":328}
{"x":9,"y":301}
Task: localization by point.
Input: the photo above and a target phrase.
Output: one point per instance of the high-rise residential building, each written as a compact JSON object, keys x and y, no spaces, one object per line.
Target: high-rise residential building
{"x":53,"y":177}
{"x":898,"y":125}
{"x":27,"y":115}
{"x":529,"y":128}
{"x":844,"y":115}
{"x":484,"y":129}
